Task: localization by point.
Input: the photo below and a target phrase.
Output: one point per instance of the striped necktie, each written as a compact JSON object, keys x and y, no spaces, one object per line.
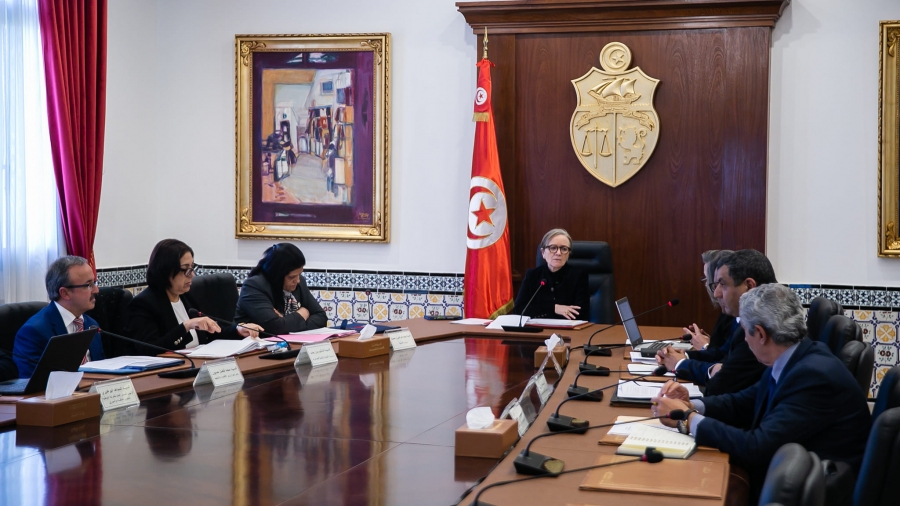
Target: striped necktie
{"x":79,"y":326}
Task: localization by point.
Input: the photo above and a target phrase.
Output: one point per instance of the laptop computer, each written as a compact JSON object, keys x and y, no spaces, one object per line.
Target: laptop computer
{"x":634,"y":333}
{"x":63,"y":353}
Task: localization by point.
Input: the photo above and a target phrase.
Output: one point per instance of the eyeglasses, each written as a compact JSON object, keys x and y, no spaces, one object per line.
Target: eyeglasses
{"x":189,"y":271}
{"x":90,"y":284}
{"x":711,"y":286}
{"x":564,"y":250}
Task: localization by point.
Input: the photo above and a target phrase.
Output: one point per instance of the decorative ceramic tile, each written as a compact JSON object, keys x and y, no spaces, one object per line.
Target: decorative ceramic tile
{"x":868,"y":331}
{"x":886,"y":333}
{"x":886,"y":354}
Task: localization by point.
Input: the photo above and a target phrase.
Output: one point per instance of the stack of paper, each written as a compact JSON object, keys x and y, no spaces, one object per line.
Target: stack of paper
{"x":554,"y":323}
{"x":673,"y":445}
{"x":222,"y":348}
{"x":627,"y":423}
{"x":472,"y":321}
{"x":126,"y":364}
{"x":510,"y":320}
{"x":636,"y":357}
{"x":312,"y":336}
{"x":645,"y":390}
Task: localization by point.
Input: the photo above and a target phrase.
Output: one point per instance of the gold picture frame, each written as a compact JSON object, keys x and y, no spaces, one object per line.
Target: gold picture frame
{"x":312,"y":140}
{"x":889,"y":139}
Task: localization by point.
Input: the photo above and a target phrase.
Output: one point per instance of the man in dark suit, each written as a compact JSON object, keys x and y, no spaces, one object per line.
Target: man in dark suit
{"x":806,"y":395}
{"x":8,"y":368}
{"x":72,"y":290}
{"x":732,"y":366}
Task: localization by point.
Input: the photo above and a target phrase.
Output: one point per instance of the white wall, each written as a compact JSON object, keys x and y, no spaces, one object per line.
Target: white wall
{"x":823,"y":144}
{"x":170,"y":133}
{"x":182,"y":185}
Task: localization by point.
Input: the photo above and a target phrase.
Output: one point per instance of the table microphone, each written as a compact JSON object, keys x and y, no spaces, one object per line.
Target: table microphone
{"x":588,"y":347}
{"x":536,"y":464}
{"x":520,"y":328}
{"x":574,"y":389}
{"x":558,"y":422}
{"x":179,"y":374}
{"x":275,"y":355}
{"x":651,"y":455}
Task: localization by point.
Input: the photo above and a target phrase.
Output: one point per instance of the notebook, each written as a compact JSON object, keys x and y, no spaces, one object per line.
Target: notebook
{"x":673,"y":445}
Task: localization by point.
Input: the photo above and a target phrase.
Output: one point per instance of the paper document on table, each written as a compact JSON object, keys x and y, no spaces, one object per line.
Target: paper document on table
{"x":472,"y":321}
{"x":130,"y":362}
{"x":555,"y":323}
{"x":673,"y":445}
{"x":645,"y":369}
{"x":636,"y":357}
{"x":648,"y":390}
{"x":222,"y":348}
{"x":627,"y":424}
{"x":511,"y":320}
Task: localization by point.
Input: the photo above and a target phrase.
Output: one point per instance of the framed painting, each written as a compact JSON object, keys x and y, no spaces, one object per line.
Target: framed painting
{"x":889,"y":139}
{"x":312,"y":139}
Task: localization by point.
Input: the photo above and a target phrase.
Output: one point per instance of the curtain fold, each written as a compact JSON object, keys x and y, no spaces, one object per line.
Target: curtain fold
{"x":30,"y":231}
{"x":73,"y":33}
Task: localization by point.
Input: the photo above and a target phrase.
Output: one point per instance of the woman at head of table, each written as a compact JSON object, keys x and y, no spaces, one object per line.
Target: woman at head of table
{"x":565,"y":291}
{"x":160,"y":315}
{"x":275,"y":294}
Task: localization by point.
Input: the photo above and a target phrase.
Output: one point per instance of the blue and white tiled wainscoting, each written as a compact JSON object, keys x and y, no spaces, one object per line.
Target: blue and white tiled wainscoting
{"x":355,"y":295}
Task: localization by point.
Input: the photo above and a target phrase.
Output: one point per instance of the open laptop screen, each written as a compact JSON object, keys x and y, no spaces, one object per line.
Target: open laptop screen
{"x":630,"y":324}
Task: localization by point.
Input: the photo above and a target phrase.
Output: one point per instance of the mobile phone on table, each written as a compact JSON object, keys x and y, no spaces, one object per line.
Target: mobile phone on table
{"x":442,"y":317}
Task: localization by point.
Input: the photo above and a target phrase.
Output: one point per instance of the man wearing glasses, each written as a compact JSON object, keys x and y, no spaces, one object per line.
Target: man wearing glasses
{"x":72,"y":290}
{"x":731,"y":367}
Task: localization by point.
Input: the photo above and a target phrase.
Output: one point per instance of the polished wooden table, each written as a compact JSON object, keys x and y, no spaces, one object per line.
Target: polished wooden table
{"x":367,"y":431}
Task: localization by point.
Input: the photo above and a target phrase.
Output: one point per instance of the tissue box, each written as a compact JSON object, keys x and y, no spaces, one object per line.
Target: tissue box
{"x":489,"y":443}
{"x":561,"y":352}
{"x":39,"y":411}
{"x":354,"y":348}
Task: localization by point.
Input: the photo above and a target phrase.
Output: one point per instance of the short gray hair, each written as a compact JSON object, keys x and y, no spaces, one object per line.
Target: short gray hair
{"x":775,"y":308}
{"x":553,"y":233}
{"x":58,"y":274}
{"x":711,"y":258}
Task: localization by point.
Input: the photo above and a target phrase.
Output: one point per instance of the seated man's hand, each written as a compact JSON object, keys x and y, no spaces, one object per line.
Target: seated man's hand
{"x":663,"y":405}
{"x":669,"y":357}
{"x":699,"y":337}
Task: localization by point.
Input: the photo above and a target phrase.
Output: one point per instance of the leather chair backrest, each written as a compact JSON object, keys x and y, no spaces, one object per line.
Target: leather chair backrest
{"x":795,"y":478}
{"x":888,"y":393}
{"x":110,"y":311}
{"x":820,"y":311}
{"x":595,"y":258}
{"x":839,"y":331}
{"x":215,"y":294}
{"x":12,"y":317}
{"x":877,"y":484}
{"x":859,"y":358}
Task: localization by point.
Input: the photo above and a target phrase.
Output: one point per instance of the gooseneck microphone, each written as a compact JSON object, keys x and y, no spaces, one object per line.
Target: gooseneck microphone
{"x":520,"y":328}
{"x":274,"y":355}
{"x":588,"y":347}
{"x":584,"y":366}
{"x":536,"y":464}
{"x":651,"y":455}
{"x":558,"y":422}
{"x":179,"y":374}
{"x":574,"y":389}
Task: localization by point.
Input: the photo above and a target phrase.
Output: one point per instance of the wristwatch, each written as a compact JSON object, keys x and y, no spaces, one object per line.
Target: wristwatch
{"x":683,"y":426}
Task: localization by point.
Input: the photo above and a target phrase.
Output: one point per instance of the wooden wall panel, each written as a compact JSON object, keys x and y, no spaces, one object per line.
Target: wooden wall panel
{"x":703,"y":188}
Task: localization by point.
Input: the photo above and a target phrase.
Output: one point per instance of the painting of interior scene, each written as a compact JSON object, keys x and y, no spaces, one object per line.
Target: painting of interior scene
{"x":307,"y":134}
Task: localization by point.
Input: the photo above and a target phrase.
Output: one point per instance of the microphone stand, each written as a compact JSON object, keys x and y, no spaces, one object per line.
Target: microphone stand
{"x":179,"y":374}
{"x":520,"y":328}
{"x":536,"y":464}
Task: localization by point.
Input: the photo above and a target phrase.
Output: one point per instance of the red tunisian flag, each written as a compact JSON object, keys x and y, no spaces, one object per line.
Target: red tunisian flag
{"x":488,"y":285}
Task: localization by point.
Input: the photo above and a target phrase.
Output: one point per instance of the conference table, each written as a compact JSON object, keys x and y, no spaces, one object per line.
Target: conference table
{"x":361,"y":431}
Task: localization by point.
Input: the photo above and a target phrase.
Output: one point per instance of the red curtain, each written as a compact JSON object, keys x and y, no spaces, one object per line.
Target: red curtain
{"x":73,"y":34}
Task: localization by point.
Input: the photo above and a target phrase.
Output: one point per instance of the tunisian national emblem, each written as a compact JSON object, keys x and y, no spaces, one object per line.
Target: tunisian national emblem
{"x":614,"y":127}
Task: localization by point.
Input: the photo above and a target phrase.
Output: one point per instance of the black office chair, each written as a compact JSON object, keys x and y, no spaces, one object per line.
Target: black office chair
{"x":877,"y":484}
{"x":888,"y":393}
{"x":820,"y":311}
{"x":12,"y":317}
{"x":215,"y":294}
{"x":859,"y":358}
{"x":795,"y":478}
{"x":110,"y":311}
{"x":839,"y":331}
{"x":595,"y":258}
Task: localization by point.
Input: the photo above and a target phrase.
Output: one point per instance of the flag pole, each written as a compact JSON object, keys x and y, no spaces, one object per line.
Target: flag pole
{"x":485,"y":43}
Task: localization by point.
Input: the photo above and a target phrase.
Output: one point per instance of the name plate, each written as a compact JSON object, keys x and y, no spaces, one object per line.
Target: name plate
{"x":116,"y":393}
{"x":224,"y":371}
{"x":518,"y":414}
{"x":544,"y":390}
{"x":316,"y":354}
{"x":552,"y":343}
{"x":401,"y":339}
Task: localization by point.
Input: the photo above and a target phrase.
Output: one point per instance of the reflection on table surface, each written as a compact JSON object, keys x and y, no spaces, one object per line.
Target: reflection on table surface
{"x":362,"y":431}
